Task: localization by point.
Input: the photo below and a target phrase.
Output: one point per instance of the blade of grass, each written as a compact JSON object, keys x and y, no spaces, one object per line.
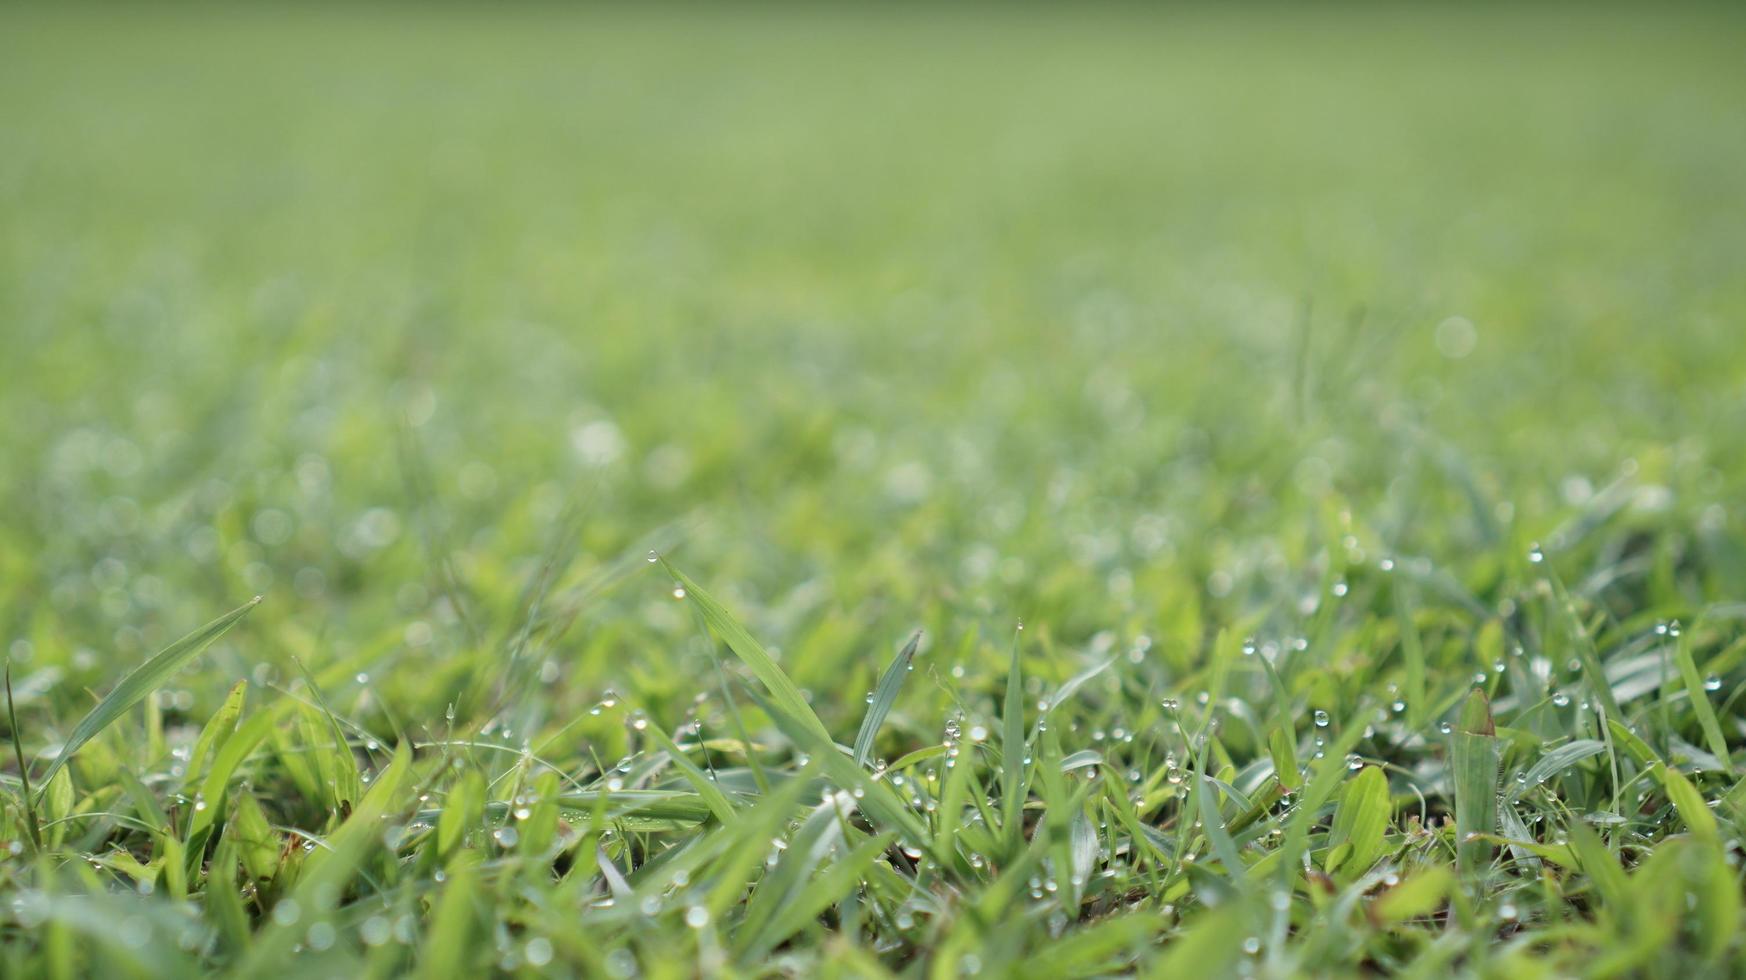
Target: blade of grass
{"x":785,"y":693}
{"x":1360,"y":821}
{"x":27,"y":802}
{"x":883,"y":698}
{"x":143,"y":680}
{"x":217,"y":730}
{"x":837,"y":880}
{"x":1555,"y":762}
{"x":706,"y":787}
{"x":1700,"y":700}
{"x":1690,"y":804}
{"x":1012,"y":751}
{"x":1474,"y":760}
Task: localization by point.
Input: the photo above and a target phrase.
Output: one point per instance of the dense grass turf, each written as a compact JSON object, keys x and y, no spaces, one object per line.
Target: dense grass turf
{"x":1290,"y":376}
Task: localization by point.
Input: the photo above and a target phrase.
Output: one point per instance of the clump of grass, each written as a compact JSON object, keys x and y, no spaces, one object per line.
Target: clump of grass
{"x":1062,"y":845}
{"x":648,"y":430}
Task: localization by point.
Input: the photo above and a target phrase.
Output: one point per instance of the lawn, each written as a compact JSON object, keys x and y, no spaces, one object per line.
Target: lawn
{"x":856,"y":491}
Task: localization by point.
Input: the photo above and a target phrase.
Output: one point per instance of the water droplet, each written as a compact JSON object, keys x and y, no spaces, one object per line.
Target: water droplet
{"x":1712,"y":683}
{"x":654,"y":556}
{"x":538,"y":951}
{"x":678,"y":591}
{"x":697,"y":917}
{"x":1321,"y":718}
{"x":1561,"y":700}
{"x":1445,"y":727}
{"x":1536,"y":554}
{"x":375,"y":931}
{"x":1170,"y":704}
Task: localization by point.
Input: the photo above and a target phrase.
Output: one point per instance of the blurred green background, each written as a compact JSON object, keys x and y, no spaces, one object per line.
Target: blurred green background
{"x":1128,"y":322}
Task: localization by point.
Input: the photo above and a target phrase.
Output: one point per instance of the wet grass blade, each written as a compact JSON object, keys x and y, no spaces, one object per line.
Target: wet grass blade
{"x":1700,"y":701}
{"x":1360,"y":821}
{"x":1690,"y":804}
{"x":1325,"y":777}
{"x":877,"y":799}
{"x":1555,"y":762}
{"x":883,"y":697}
{"x":783,"y":691}
{"x":706,"y":787}
{"x":1474,"y":758}
{"x":1012,"y":751}
{"x":217,"y":730}
{"x":143,"y":680}
{"x":26,"y":802}
{"x":830,"y":887}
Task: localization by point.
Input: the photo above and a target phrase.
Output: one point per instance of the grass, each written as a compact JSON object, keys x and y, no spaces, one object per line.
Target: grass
{"x":1305,"y":442}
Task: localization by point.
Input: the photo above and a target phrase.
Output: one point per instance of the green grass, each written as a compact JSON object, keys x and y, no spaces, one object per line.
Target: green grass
{"x":601,"y":400}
